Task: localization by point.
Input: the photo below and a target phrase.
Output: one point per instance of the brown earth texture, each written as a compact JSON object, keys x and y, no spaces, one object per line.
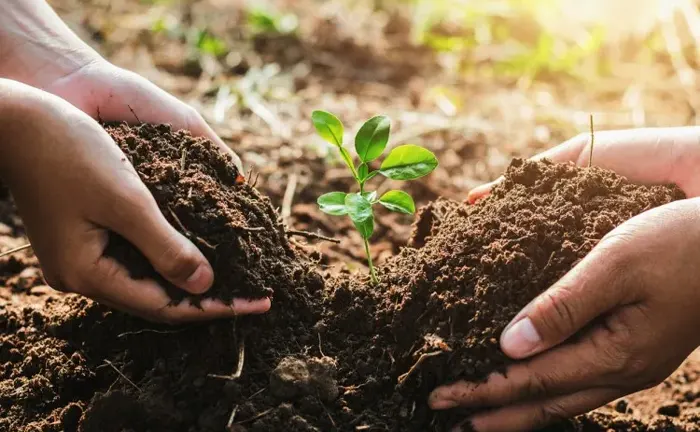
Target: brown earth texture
{"x":334,"y":353}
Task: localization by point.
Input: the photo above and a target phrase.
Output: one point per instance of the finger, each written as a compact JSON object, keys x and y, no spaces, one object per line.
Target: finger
{"x":139,"y":99}
{"x":564,"y":370}
{"x":110,"y":284}
{"x":535,"y":415}
{"x":199,"y":127}
{"x":593,"y":287}
{"x":135,"y":216}
{"x":482,"y":191}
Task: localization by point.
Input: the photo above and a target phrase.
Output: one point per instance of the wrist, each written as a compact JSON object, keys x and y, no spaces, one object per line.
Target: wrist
{"x":36,"y":46}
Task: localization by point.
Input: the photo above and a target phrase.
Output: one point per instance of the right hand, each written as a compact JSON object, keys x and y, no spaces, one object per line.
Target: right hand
{"x":646,"y":156}
{"x":72,"y":184}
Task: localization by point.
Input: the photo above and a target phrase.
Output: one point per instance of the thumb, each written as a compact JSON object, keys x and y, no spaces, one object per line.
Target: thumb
{"x":172,"y":255}
{"x":592,"y":288}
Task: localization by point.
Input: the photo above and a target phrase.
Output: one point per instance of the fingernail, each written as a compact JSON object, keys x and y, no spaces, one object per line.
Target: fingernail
{"x":201,"y":279}
{"x":521,"y":339}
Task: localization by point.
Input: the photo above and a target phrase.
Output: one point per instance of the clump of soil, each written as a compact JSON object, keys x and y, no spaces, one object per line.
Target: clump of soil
{"x":334,"y":353}
{"x":202,"y":194}
{"x":450,"y":299}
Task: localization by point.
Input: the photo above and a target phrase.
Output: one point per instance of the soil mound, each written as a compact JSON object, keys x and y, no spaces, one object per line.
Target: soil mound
{"x":333,"y":354}
{"x":202,"y":194}
{"x":451,"y":298}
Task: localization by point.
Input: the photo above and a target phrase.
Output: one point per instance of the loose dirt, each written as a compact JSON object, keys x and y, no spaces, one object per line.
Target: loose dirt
{"x":333,"y":354}
{"x":202,"y":194}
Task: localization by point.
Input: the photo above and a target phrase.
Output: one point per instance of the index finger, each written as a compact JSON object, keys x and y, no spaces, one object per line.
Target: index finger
{"x":112,"y":285}
{"x":564,"y":370}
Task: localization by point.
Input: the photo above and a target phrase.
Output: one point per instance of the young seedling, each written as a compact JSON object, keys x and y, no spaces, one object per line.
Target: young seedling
{"x":590,"y":157}
{"x":405,"y":162}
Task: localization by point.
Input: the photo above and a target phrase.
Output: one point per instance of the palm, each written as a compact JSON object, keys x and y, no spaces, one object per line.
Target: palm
{"x":108,"y":93}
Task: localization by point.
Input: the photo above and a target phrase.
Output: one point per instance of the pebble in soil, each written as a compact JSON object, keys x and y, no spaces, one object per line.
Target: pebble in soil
{"x":202,"y":194}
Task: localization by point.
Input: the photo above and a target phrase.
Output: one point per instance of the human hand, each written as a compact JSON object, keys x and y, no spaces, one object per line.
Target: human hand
{"x":72,"y":184}
{"x":595,"y":335}
{"x":38,"y":49}
{"x":645,"y":156}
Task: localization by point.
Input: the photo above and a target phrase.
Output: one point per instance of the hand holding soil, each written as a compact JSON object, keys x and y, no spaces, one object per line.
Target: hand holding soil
{"x":40,"y":50}
{"x":72,"y":184}
{"x":623,"y":319}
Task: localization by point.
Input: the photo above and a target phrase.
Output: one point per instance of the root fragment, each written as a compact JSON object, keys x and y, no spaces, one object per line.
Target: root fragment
{"x":239,"y":368}
{"x":311,"y":235}
{"x":121,"y":374}
{"x":15,"y":250}
{"x":420,"y":360}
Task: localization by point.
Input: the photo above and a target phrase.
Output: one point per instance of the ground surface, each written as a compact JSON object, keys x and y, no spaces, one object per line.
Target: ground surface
{"x":57,"y":351}
{"x":334,"y":353}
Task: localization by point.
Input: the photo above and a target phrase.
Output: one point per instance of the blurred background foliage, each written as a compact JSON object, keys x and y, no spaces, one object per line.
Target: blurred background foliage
{"x":482,"y":80}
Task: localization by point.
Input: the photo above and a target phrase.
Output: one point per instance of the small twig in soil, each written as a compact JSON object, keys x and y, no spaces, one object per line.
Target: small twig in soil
{"x":255,"y":182}
{"x":149,"y":331}
{"x":134,"y":113}
{"x":205,"y":243}
{"x":311,"y":235}
{"x":319,"y":345}
{"x":229,"y":425}
{"x":413,"y":368}
{"x":179,"y":222}
{"x":239,"y":368}
{"x":256,"y":417}
{"x":110,"y":364}
{"x":248,"y":229}
{"x":15,"y":250}
{"x":590,"y":157}
{"x":183,"y":159}
{"x":288,"y":199}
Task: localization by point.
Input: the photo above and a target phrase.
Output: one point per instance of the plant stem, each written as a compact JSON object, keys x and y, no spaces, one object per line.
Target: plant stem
{"x":590,"y":157}
{"x":372,"y":274}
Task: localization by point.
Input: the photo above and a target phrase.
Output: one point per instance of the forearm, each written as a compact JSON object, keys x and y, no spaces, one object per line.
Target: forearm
{"x":36,"y":46}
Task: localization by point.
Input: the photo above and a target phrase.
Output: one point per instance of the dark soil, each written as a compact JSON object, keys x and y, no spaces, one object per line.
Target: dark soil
{"x":333,"y":354}
{"x":203,"y":195}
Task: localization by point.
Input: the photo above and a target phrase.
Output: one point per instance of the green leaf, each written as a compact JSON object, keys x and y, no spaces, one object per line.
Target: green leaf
{"x":360,"y":211}
{"x":398,"y":201}
{"x":329,"y":127}
{"x":370,"y":196}
{"x":210,"y":44}
{"x":372,"y":138}
{"x":408,"y":162}
{"x":333,"y":203}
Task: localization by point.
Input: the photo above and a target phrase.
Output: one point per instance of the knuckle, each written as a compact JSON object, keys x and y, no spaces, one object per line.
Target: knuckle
{"x":177,"y":261}
{"x":127,"y":204}
{"x":557,"y":313}
{"x":536,"y":387}
{"x":552,"y":412}
{"x":456,"y":392}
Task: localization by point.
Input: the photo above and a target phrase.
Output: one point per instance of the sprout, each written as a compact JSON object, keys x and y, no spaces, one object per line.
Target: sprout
{"x":405,"y":162}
